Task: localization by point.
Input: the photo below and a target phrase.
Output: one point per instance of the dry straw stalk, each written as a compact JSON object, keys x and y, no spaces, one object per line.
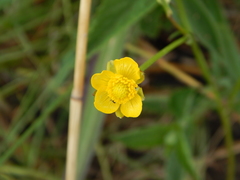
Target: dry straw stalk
{"x":77,"y":92}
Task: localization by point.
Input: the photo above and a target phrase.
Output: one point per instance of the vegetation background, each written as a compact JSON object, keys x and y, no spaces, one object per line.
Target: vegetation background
{"x":179,"y":134}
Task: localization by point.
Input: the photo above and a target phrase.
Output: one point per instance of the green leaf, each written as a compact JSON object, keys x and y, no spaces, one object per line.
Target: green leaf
{"x":145,"y":137}
{"x":153,"y":22}
{"x":184,"y":155}
{"x":155,"y":104}
{"x":187,"y":103}
{"x":174,"y":169}
{"x":181,"y":102}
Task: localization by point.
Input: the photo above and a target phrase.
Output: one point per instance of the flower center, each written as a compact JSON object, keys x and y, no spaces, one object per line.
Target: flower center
{"x":121,"y":89}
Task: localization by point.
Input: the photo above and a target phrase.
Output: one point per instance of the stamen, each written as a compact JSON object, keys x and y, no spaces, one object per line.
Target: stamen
{"x":121,"y":89}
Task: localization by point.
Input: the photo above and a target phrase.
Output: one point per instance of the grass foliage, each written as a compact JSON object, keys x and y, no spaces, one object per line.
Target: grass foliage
{"x":37,"y":46}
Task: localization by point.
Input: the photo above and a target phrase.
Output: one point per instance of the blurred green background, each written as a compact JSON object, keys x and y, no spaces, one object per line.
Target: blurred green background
{"x":179,"y":133}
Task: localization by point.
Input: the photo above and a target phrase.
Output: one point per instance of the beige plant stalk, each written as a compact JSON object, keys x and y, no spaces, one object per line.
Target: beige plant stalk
{"x":77,"y":92}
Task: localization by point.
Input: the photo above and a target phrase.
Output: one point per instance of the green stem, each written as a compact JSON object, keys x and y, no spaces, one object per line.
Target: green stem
{"x":226,"y":123}
{"x":166,"y":7}
{"x":26,"y":172}
{"x":220,"y":107}
{"x":201,"y":62}
{"x":234,"y":93}
{"x":163,"y":52}
{"x":221,"y":111}
{"x":183,"y":15}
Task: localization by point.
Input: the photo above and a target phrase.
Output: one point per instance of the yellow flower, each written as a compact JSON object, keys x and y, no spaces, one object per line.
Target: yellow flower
{"x":117,"y":88}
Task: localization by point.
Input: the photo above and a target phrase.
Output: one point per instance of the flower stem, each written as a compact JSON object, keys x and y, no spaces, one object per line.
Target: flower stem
{"x":206,"y":72}
{"x":185,"y":30}
{"x":221,"y":111}
{"x":163,"y":52}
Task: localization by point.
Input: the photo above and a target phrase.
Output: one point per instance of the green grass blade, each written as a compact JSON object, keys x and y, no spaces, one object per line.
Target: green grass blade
{"x":93,"y":119}
{"x":110,"y":19}
{"x":27,"y":173}
{"x":53,"y":84}
{"x":35,"y":147}
{"x":38,"y":122}
{"x":211,"y":28}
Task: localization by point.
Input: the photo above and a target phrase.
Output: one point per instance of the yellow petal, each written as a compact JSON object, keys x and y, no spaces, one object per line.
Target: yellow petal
{"x":132,"y":108}
{"x":119,"y":114}
{"x":128,"y":68}
{"x":103,"y":103}
{"x":100,"y":80}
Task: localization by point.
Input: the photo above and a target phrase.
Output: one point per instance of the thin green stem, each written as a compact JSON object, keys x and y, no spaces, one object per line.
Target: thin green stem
{"x":183,"y":15}
{"x":163,"y":52}
{"x":166,"y":7}
{"x":226,"y":123}
{"x":234,"y":93}
{"x":220,"y":107}
{"x":201,"y":62}
{"x":177,"y":26}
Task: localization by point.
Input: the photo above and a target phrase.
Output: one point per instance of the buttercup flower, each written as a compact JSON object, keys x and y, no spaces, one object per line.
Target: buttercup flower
{"x":117,"y":88}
